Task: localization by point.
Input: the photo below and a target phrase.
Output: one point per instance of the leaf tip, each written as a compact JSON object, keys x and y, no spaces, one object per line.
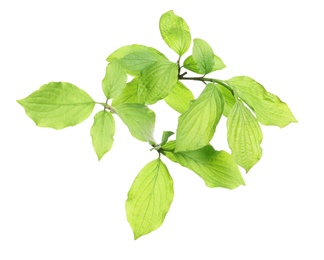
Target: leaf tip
{"x":19,"y":101}
{"x":136,"y":236}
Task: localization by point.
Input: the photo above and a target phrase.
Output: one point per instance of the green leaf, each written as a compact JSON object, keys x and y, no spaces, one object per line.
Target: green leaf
{"x":229,"y":99}
{"x":128,"y":95}
{"x":139,"y":119}
{"x":203,"y":55}
{"x":244,"y":136}
{"x":149,"y":198}
{"x":165,"y":136}
{"x":157,"y":82}
{"x":196,"y":127}
{"x":269,"y":109}
{"x":102,"y":133}
{"x":58,"y":105}
{"x":115,"y":79}
{"x":216,"y":168}
{"x":175,"y":32}
{"x":136,"y":58}
{"x":191,"y":65}
{"x":179,"y":98}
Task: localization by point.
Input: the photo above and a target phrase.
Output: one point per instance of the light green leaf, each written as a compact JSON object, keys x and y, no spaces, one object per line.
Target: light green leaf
{"x":244,"y":136}
{"x":165,"y":136}
{"x":58,"y":105}
{"x":203,"y":55}
{"x":139,"y":119}
{"x":136,"y":58}
{"x":149,"y":198}
{"x":115,"y":79}
{"x":269,"y":109}
{"x":196,"y":127}
{"x":128,"y":95}
{"x":175,"y":32}
{"x":157,"y":82}
{"x":216,"y":168}
{"x":102,"y":133}
{"x":229,"y":99}
{"x":179,"y":98}
{"x":191,"y":65}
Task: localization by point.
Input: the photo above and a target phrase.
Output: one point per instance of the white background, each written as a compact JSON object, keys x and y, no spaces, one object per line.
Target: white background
{"x":58,"y":202}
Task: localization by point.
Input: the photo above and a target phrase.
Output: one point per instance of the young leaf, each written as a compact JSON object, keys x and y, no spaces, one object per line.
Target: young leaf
{"x":165,"y":136}
{"x":179,"y":98}
{"x":115,"y":79}
{"x":269,"y":109}
{"x":216,"y":168}
{"x":149,"y":198}
{"x":196,"y":127}
{"x":139,"y":119}
{"x":175,"y":32}
{"x":157,"y":82}
{"x":229,"y":99}
{"x":136,"y":58}
{"x":128,"y":95}
{"x":190,"y":64}
{"x":244,"y":136}
{"x":102,"y":133}
{"x":203,"y":55}
{"x":58,"y":105}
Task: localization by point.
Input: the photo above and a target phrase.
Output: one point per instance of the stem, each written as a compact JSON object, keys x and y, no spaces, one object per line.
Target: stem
{"x":202,"y":79}
{"x":106,"y":106}
{"x":178,"y":64}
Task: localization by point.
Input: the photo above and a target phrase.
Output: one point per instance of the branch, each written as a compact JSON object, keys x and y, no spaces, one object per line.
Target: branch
{"x":203,"y":79}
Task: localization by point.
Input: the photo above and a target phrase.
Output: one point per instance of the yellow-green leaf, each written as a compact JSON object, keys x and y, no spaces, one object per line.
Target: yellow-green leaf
{"x":58,"y":105}
{"x":190,"y":64}
{"x":196,"y":127}
{"x":149,"y":198}
{"x":244,"y":136}
{"x":136,"y":58}
{"x":203,"y":55}
{"x":102,"y":133}
{"x":165,"y":136}
{"x":128,"y":95}
{"x":229,"y":99}
{"x":157,"y":82}
{"x":139,"y":119}
{"x":115,"y":79}
{"x":179,"y":98}
{"x":175,"y":32}
{"x":216,"y":168}
{"x":268,"y":108}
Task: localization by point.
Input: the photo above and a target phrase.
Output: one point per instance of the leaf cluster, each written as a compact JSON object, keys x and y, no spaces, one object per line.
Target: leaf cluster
{"x":153,"y":77}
